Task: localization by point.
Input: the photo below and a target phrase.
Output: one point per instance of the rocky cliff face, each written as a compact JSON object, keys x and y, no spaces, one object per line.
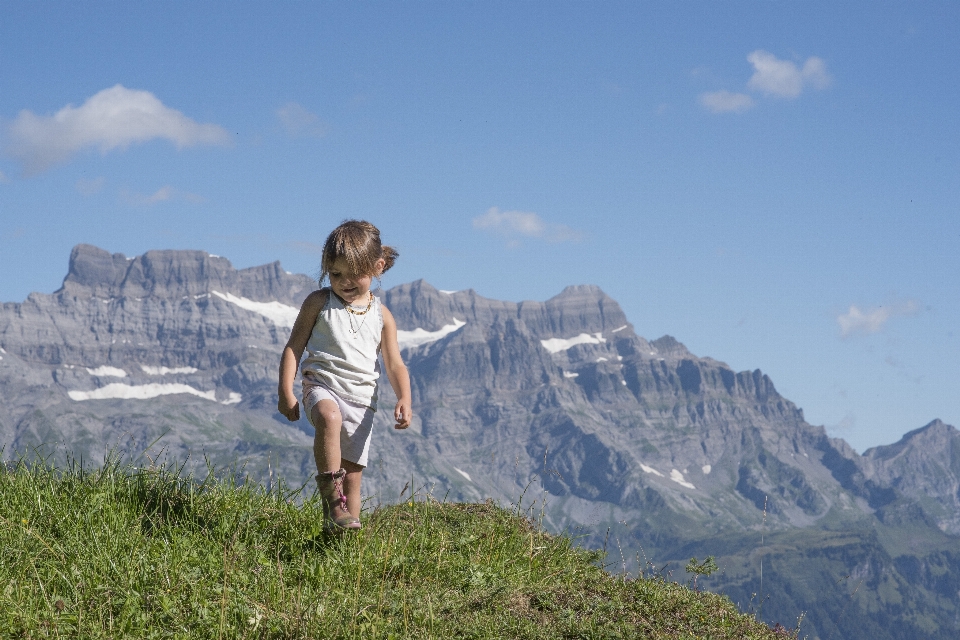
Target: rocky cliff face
{"x":128,"y":349}
{"x":557,"y":404}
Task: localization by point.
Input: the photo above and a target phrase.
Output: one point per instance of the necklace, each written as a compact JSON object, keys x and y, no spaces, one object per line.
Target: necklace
{"x":355,"y":311}
{"x":355,"y":328}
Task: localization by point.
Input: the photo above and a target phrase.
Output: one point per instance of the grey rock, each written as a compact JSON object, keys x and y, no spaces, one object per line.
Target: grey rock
{"x":557,"y":406}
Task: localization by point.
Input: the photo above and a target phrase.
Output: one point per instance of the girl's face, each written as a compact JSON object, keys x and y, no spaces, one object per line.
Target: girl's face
{"x":348,"y":285}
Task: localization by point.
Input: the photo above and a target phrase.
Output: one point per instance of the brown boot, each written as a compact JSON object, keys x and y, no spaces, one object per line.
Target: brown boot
{"x":336,"y":516}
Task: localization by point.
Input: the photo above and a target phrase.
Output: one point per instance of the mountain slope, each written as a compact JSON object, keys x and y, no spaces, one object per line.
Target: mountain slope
{"x":634,"y":444}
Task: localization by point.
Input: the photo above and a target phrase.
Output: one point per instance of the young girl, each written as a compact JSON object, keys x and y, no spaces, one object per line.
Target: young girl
{"x":343,"y":328}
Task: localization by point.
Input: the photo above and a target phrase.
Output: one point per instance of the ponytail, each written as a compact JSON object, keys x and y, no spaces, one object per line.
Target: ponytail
{"x":389,"y":256}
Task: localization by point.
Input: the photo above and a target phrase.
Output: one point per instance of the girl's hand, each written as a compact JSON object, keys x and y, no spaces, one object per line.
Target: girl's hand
{"x":292,"y":352}
{"x":396,"y":370}
{"x":290,"y":411}
{"x":402,"y":414}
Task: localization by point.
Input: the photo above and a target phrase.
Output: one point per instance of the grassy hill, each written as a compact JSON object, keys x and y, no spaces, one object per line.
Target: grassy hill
{"x":146,"y":553}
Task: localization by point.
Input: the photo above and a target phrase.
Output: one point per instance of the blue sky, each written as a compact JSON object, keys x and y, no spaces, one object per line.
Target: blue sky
{"x":776,"y":184}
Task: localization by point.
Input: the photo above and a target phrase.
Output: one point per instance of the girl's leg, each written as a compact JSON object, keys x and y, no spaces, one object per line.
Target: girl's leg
{"x":351,"y":486}
{"x":326,"y":442}
{"x":326,"y":450}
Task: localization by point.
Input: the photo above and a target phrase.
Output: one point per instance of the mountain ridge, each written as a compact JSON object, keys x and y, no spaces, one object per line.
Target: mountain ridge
{"x":560,"y":401}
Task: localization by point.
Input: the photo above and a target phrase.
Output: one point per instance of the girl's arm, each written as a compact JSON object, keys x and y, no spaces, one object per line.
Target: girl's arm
{"x":290,"y":360}
{"x":396,"y":370}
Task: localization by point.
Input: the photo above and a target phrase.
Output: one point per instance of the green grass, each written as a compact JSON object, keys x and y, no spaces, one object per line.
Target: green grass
{"x":121,"y":552}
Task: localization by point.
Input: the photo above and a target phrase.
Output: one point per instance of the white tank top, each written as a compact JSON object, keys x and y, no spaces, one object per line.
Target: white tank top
{"x":342,"y":351}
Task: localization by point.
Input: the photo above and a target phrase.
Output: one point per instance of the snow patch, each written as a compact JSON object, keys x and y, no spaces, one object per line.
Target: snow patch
{"x":120,"y":391}
{"x":623,"y":382}
{"x":601,"y":359}
{"x":463,"y":473}
{"x":233,"y":398}
{"x":1,"y":350}
{"x":677,"y":477}
{"x":556,"y":345}
{"x":162,"y":371}
{"x":647,"y":469}
{"x":449,"y":293}
{"x":282,"y":315}
{"x":619,"y":328}
{"x":706,"y":469}
{"x":113,"y":372}
{"x":570,"y":374}
{"x":418,"y":336}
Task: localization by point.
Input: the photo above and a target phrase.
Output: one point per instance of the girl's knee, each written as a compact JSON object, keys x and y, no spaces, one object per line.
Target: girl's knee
{"x":327,"y":414}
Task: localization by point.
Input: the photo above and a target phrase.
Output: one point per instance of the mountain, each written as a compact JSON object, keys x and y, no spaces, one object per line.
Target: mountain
{"x":639,"y":446}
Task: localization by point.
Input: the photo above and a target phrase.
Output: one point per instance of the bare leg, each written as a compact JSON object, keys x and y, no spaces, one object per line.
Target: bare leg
{"x":326,"y":442}
{"x":326,"y":450}
{"x":351,"y":486}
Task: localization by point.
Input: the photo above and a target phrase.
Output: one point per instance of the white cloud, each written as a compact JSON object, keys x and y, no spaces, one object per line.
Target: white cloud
{"x":160,"y":195}
{"x":783,"y":78}
{"x":515,"y":224}
{"x":857,"y":321}
{"x":89,"y":187}
{"x":112,"y":119}
{"x":163,"y":194}
{"x":726,"y":102}
{"x":298,"y":122}
{"x":848,"y":422}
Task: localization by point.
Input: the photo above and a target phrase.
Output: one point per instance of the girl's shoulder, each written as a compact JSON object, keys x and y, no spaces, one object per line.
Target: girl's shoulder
{"x":318,"y":297}
{"x":316,"y":301}
{"x":387,"y":317}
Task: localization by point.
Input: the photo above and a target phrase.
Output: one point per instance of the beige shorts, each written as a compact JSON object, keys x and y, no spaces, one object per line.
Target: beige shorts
{"x":356,"y":427}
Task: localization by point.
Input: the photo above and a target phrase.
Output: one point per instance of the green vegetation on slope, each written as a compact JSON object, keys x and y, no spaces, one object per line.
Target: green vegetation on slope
{"x":121,"y":552}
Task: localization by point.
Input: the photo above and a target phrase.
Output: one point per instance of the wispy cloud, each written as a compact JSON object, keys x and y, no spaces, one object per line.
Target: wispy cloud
{"x":514,"y":225}
{"x":857,"y":321}
{"x":112,"y":119}
{"x":772,"y":77}
{"x":847,"y":423}
{"x":163,"y":194}
{"x":300,"y":123}
{"x":304,"y":246}
{"x":783,"y":78}
{"x":89,"y":187}
{"x":726,"y":101}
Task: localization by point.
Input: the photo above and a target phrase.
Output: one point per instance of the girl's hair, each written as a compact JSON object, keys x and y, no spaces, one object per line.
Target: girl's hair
{"x":357,"y":242}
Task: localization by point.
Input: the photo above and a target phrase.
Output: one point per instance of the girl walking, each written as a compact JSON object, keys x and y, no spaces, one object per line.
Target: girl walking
{"x":343,"y":329}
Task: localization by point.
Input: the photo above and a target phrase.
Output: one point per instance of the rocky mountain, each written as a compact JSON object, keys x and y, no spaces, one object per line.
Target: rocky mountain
{"x":559,"y":406}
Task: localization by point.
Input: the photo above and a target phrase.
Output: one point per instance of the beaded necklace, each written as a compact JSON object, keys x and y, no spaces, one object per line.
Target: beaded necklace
{"x":355,"y":330}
